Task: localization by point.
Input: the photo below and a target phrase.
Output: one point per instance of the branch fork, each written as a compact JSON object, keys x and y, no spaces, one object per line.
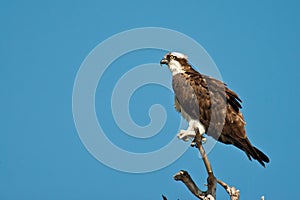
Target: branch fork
{"x":210,"y":193}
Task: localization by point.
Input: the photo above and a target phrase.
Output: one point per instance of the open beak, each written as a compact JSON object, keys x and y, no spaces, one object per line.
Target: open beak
{"x":163,"y":61}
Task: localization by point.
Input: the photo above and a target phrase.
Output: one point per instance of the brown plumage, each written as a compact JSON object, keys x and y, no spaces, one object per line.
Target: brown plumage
{"x":211,"y":102}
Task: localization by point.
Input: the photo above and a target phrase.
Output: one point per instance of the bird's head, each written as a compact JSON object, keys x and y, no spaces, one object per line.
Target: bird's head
{"x":175,"y":61}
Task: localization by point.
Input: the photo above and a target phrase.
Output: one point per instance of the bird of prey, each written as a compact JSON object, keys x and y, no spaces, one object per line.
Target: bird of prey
{"x":209,"y":105}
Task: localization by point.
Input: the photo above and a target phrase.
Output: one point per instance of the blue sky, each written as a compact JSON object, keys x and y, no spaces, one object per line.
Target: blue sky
{"x":254,"y":44}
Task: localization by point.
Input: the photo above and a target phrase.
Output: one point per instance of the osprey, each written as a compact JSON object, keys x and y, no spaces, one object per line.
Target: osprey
{"x":207,"y":104}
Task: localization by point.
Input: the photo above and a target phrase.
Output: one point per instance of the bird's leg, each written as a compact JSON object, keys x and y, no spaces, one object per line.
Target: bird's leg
{"x":185,"y":135}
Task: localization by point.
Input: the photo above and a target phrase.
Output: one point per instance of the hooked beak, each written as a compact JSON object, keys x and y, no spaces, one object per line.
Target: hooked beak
{"x":164,"y":61}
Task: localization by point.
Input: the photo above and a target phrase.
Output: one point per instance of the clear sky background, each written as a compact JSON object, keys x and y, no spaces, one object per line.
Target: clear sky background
{"x":42,"y":45}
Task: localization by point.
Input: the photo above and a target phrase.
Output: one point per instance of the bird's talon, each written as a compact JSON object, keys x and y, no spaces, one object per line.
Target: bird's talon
{"x":193,"y":144}
{"x":186,"y":135}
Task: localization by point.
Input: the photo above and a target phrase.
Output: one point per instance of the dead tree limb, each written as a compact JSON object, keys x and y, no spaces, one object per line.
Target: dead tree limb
{"x":232,"y":191}
{"x":211,"y":180}
{"x":198,"y":140}
{"x":210,"y":193}
{"x":190,"y":184}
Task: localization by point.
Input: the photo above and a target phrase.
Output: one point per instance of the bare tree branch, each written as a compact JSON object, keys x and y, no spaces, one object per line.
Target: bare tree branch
{"x":210,"y":194}
{"x":198,"y":140}
{"x":190,"y":184}
{"x":232,"y":191}
{"x":211,"y":180}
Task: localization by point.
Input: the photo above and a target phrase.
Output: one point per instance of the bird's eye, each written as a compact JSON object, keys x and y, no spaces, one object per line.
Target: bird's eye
{"x":172,"y":57}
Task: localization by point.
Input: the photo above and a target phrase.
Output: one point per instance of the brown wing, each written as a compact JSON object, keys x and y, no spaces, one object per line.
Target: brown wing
{"x":233,"y":131}
{"x":177,"y":105}
{"x":199,"y":96}
{"x":185,"y":96}
{"x":217,"y":108}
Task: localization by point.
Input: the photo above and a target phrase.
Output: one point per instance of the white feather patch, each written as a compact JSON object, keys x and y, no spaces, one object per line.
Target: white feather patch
{"x":175,"y":67}
{"x":179,"y":55}
{"x":196,"y":124}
